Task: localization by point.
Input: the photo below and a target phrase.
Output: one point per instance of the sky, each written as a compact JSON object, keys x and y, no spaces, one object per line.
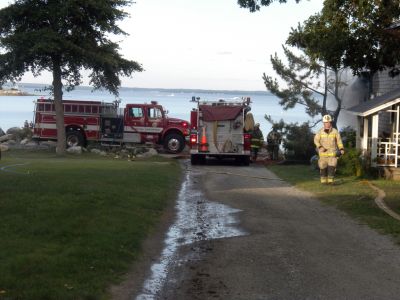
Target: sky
{"x":202,"y":44}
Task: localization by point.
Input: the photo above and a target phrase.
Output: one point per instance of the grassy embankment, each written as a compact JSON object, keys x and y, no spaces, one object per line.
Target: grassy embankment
{"x":71,"y":226}
{"x":349,"y":194}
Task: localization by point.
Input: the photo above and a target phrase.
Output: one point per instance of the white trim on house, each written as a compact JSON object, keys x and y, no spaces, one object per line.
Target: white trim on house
{"x":376,"y":109}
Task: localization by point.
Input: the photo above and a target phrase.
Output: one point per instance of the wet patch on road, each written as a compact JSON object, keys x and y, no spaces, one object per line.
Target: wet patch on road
{"x":197,"y":220}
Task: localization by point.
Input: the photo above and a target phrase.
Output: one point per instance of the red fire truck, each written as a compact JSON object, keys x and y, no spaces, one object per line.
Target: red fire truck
{"x":110,"y":125}
{"x":218,"y":130}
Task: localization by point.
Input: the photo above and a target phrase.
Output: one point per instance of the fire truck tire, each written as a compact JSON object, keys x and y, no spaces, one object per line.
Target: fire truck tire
{"x":174,"y":143}
{"x":74,"y":138}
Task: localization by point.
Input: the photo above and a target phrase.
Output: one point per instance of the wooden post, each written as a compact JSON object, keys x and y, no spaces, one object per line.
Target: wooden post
{"x":358,"y":133}
{"x":374,"y":139}
{"x":397,"y":137}
{"x":364,"y":142}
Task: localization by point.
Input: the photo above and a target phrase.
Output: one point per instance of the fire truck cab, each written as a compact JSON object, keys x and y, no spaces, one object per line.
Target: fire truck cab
{"x":108,"y":124}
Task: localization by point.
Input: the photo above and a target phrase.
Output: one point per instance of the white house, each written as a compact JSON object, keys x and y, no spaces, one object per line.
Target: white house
{"x":378,"y":129}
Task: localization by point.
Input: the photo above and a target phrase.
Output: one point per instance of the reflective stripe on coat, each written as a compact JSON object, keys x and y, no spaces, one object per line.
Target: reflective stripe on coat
{"x":331,"y":141}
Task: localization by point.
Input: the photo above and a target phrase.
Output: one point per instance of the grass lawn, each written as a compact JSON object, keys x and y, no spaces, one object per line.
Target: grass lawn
{"x":349,"y":194}
{"x":71,"y":226}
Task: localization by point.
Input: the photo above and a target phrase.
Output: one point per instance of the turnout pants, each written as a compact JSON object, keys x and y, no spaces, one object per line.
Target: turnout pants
{"x":327,"y":167}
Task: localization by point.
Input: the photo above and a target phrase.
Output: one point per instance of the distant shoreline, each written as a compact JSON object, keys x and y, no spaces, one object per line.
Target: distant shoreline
{"x":14,"y":92}
{"x":169,"y":90}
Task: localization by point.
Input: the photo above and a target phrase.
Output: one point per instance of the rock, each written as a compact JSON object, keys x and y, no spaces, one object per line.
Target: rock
{"x":24,"y":142}
{"x":124,"y":155}
{"x":139,"y":150}
{"x":2,"y":132}
{"x":75,"y":150}
{"x":103,"y":153}
{"x":4,"y":148}
{"x":49,"y":144}
{"x":150,"y":153}
{"x":31,"y":144}
{"x":95,"y":151}
{"x":14,"y":130}
{"x":5,"y":137}
{"x":11,"y":142}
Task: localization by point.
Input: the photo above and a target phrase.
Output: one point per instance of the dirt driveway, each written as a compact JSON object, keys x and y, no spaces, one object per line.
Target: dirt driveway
{"x":248,"y":235}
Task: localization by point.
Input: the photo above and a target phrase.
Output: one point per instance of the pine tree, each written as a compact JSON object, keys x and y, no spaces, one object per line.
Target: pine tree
{"x":64,"y":37}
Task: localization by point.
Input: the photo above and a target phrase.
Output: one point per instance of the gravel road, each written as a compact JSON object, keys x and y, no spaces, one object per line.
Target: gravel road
{"x":249,"y":235}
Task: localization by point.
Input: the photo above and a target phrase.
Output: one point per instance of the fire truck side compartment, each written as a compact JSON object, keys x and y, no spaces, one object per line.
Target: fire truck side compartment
{"x":112,"y":127}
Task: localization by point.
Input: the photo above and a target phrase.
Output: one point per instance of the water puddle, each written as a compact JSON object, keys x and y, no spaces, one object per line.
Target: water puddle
{"x":197,"y":219}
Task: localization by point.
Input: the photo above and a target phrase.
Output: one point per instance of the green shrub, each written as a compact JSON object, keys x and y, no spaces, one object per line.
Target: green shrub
{"x":351,"y":164}
{"x":348,"y":135}
{"x":20,"y":133}
{"x":298,"y":142}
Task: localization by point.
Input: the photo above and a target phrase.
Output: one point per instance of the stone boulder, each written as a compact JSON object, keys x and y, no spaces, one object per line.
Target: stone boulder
{"x":95,"y":151}
{"x":31,"y":144}
{"x":49,"y":144}
{"x":24,"y":141}
{"x":11,"y":142}
{"x":75,"y":150}
{"x":5,"y":137}
{"x":4,"y":148}
{"x":150,"y":153}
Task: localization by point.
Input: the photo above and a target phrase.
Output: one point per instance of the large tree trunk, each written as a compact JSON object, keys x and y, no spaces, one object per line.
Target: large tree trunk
{"x":57,"y":90}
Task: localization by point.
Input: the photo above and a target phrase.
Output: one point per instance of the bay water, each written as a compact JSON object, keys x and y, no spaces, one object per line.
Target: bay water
{"x":14,"y":110}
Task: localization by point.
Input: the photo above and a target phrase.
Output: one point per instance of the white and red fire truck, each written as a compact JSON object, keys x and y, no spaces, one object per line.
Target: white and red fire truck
{"x":218,"y":130}
{"x":110,"y":125}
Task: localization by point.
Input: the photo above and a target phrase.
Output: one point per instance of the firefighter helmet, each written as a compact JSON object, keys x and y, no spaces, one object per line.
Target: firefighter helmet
{"x":327,"y":118}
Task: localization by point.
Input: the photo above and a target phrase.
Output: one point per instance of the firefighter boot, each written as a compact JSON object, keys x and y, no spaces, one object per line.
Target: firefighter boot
{"x":324,"y":175}
{"x":331,"y":174}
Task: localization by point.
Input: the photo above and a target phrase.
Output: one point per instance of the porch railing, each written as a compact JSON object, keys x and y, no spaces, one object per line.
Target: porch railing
{"x":388,"y":153}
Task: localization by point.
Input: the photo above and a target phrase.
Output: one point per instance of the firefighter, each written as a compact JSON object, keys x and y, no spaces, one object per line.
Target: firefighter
{"x":274,"y":139}
{"x":257,"y":140}
{"x":328,"y":140}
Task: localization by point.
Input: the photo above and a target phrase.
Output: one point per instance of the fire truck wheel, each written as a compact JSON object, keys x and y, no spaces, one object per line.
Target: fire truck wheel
{"x":74,"y":138}
{"x":174,"y":143}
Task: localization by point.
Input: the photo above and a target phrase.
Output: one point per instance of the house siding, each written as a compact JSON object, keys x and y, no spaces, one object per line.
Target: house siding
{"x":382,"y":83}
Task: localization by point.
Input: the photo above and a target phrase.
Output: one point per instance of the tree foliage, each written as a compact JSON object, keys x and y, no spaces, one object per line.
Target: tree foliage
{"x":254,"y":5}
{"x":307,"y":82}
{"x":298,"y":140}
{"x":64,"y":37}
{"x":352,"y":34}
